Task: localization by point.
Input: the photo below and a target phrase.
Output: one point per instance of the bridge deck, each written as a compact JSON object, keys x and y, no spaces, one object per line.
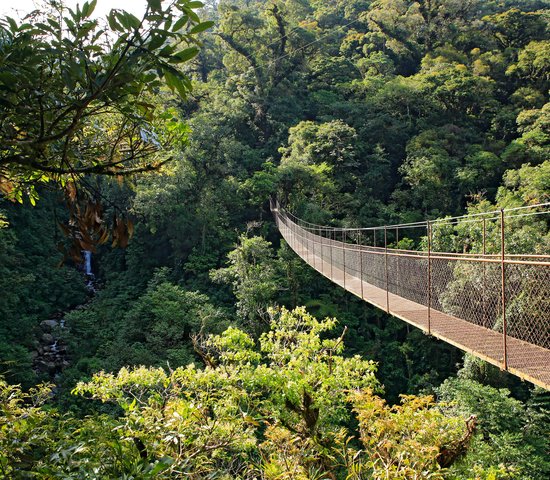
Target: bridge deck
{"x":527,"y":361}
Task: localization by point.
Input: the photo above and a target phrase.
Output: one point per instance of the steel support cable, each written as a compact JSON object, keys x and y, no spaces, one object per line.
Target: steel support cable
{"x":422,"y":224}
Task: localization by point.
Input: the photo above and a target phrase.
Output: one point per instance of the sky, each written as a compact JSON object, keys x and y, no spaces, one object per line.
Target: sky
{"x":19,"y":8}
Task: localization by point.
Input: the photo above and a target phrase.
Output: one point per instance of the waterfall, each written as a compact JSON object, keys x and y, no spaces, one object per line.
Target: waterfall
{"x":90,"y":284}
{"x":88,"y":263}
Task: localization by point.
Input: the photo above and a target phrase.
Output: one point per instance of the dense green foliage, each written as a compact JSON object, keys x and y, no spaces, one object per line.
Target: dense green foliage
{"x":280,"y":412}
{"x":74,"y":92}
{"x":353,"y":112}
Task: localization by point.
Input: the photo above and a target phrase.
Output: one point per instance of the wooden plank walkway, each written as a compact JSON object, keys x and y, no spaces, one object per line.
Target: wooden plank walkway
{"x":527,"y":361}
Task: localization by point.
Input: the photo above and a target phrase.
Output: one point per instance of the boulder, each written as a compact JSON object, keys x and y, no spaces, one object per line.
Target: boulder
{"x":48,"y":325}
{"x":47,"y":338}
{"x":46,"y":366}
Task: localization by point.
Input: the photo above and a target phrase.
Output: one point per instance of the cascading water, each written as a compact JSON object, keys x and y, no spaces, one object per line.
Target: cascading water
{"x":88,"y":262}
{"x":88,"y":270}
{"x":51,"y":356}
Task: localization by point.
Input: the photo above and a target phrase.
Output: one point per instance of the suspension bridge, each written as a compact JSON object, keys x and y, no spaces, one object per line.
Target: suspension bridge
{"x":471,"y":285}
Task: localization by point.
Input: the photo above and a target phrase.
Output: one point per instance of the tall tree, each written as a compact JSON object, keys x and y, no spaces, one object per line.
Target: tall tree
{"x":75,"y":96}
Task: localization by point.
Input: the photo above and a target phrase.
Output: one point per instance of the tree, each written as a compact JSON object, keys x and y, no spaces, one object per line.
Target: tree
{"x":252,"y":272}
{"x":526,"y":185}
{"x":280,"y":411}
{"x":76,"y":98}
{"x":410,"y":29}
{"x":321,"y":158}
{"x":515,"y":28}
{"x":330,"y":142}
{"x":534,"y":64}
{"x":159,"y":326}
{"x":511,"y":440}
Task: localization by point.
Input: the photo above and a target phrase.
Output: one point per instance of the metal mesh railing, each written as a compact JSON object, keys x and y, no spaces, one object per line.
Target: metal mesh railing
{"x":494,"y":272}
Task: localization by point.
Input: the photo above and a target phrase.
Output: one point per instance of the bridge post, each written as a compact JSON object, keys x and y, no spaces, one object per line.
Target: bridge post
{"x":398,"y":274}
{"x":503,"y":290}
{"x":484,"y":285}
{"x":321,"y":231}
{"x":320,"y":243}
{"x":321,"y":254}
{"x":293,"y":235}
{"x":312,"y":243}
{"x":331,"y":233}
{"x":360,"y":240}
{"x":344,"y":254}
{"x":429,"y":232}
{"x":311,"y":248}
{"x":308,"y":247}
{"x":304,"y":243}
{"x":386,"y":267}
{"x":302,"y":238}
{"x":316,"y":248}
{"x":313,"y":236}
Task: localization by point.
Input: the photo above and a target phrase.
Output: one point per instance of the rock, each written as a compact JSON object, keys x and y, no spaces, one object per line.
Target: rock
{"x":34,"y":355}
{"x":52,"y":367}
{"x":48,"y":325}
{"x":46,"y":366}
{"x":47,"y":338}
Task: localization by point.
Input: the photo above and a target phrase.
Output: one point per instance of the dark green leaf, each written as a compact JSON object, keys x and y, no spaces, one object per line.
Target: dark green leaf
{"x":13,"y":24}
{"x":90,"y":8}
{"x":193,"y":16}
{"x":127,"y":20}
{"x":175,"y":83}
{"x":201,"y":27}
{"x":111,"y":18}
{"x":184,"y":55}
{"x":156,"y":41}
{"x":85,"y":9}
{"x":180,"y":23}
{"x":134,"y":21}
{"x":167,"y":51}
{"x":155,"y":5}
{"x":54,"y":23}
{"x":44,"y":27}
{"x":86,"y":28}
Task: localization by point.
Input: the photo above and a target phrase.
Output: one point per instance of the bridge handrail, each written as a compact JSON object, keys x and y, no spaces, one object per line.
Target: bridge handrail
{"x":471,"y":257}
{"x":422,"y":224}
